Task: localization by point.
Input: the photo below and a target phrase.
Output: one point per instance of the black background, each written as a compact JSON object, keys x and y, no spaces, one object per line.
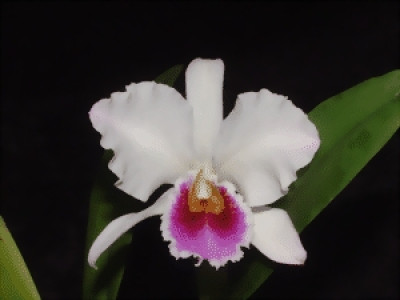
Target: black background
{"x":57,"y":60}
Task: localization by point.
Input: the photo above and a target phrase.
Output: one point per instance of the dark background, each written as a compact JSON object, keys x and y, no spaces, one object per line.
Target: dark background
{"x":57,"y":60}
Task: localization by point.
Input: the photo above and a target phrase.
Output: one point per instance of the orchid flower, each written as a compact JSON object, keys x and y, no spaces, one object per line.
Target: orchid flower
{"x":225,"y":172}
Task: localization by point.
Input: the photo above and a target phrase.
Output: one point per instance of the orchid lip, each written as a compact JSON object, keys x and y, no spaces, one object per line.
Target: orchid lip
{"x":212,"y":233}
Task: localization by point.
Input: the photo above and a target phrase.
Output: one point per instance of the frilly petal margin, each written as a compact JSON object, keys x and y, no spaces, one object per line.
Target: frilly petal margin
{"x":122,"y":224}
{"x":261,"y":145}
{"x":214,"y":238}
{"x":275,"y":236}
{"x":149,"y":128}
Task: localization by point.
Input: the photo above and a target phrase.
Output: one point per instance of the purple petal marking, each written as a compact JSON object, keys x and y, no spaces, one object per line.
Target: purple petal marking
{"x":207,"y":235}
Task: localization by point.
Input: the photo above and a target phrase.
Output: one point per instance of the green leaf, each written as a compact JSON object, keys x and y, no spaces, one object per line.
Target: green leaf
{"x":170,"y":76}
{"x":106,"y":204}
{"x":15,"y":280}
{"x":353,"y":126}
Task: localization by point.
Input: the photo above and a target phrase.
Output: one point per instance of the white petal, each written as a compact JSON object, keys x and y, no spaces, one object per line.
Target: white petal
{"x":261,"y":145}
{"x":149,"y":128}
{"x":204,"y":84}
{"x":275,"y":236}
{"x":122,"y":224}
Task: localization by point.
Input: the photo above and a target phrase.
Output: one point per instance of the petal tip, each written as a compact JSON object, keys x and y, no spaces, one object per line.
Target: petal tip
{"x":96,"y":113}
{"x":206,"y":67}
{"x":203,"y":61}
{"x":297,"y":256}
{"x":301,"y":258}
{"x":92,"y":112}
{"x":276,"y":237}
{"x":92,"y":263}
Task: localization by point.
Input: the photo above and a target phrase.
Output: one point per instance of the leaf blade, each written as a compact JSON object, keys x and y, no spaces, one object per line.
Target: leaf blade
{"x":15,"y":280}
{"x":360,"y":142}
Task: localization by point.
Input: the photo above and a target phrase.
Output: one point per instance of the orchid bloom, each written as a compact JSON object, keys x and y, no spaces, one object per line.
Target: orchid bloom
{"x":225,"y":173}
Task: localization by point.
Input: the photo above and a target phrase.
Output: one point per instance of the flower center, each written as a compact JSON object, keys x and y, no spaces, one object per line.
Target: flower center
{"x":205,"y":196}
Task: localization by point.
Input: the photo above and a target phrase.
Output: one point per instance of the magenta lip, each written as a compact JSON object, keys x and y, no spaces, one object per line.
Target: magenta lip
{"x":207,"y":235}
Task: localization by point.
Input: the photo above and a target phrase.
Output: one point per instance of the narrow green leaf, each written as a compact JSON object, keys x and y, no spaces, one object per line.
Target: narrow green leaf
{"x":170,"y":76}
{"x":106,"y":204}
{"x":353,"y":125}
{"x":15,"y":280}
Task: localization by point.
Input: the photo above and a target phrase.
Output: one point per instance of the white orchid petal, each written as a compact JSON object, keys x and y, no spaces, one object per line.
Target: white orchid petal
{"x":261,"y":145}
{"x":204,"y":85}
{"x":119,"y":226}
{"x":275,"y":236}
{"x":149,"y":128}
